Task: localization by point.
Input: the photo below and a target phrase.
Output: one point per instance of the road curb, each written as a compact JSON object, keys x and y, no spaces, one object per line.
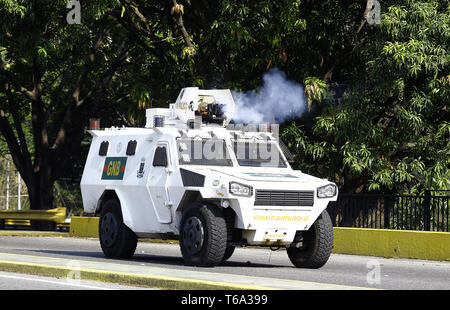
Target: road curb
{"x":167,"y":283}
{"x":26,"y":233}
{"x":154,"y":276}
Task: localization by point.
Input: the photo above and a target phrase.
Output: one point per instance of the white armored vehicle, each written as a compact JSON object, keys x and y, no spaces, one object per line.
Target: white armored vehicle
{"x":191,"y":175}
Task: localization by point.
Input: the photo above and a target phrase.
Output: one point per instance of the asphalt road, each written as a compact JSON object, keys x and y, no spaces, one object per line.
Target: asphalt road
{"x":349,"y":270}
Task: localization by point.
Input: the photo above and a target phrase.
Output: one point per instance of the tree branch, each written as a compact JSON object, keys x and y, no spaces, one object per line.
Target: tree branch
{"x":96,"y":91}
{"x":13,"y":108}
{"x":141,"y":35}
{"x":13,"y":145}
{"x":177,"y":12}
{"x":10,"y":78}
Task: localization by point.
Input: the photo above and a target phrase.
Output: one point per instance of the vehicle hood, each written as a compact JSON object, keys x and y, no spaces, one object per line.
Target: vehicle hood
{"x":268,"y":176}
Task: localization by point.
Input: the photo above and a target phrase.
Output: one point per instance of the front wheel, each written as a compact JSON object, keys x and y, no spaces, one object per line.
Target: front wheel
{"x":116,"y":239}
{"x":317,"y":244}
{"x":228,"y":252}
{"x":203,"y":235}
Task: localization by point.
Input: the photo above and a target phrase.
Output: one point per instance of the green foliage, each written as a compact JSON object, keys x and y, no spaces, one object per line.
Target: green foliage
{"x":316,"y":90}
{"x":389,"y":131}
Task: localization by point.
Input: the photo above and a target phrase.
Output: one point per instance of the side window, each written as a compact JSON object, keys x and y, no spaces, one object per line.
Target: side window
{"x":103,"y":148}
{"x":160,"y":159}
{"x":131,"y":147}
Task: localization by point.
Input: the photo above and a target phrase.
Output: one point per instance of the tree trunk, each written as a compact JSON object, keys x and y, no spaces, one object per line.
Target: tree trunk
{"x":41,"y":191}
{"x":41,"y":197}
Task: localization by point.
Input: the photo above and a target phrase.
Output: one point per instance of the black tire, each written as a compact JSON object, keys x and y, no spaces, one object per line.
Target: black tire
{"x":203,"y":235}
{"x":116,"y":239}
{"x":228,"y":252}
{"x":317,"y":244}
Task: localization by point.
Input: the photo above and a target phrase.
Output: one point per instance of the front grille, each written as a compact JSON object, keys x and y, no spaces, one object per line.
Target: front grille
{"x":284,"y":198}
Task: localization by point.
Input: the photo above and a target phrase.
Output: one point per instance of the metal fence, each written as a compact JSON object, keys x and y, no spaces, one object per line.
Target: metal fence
{"x":68,"y":194}
{"x":429,"y":212}
{"x":13,"y":192}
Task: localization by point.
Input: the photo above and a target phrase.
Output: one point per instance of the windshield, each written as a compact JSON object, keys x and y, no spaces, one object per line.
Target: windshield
{"x":258,"y":154}
{"x":209,"y":152}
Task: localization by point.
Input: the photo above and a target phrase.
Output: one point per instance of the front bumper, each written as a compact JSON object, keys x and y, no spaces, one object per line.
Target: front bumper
{"x":273,"y":219}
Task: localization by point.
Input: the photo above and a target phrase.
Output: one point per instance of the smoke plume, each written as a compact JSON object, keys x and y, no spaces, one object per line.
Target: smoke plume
{"x":278,"y":98}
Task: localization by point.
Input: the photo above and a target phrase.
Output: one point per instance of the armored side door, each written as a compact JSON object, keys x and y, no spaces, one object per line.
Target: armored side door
{"x":158,"y":182}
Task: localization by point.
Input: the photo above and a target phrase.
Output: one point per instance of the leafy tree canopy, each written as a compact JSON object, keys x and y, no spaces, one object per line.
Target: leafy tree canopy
{"x":378,"y":95}
{"x":391,"y":131}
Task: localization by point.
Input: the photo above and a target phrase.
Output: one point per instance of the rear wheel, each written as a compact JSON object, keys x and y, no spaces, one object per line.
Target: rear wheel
{"x":116,"y":239}
{"x":203,"y":235}
{"x":317,"y":244}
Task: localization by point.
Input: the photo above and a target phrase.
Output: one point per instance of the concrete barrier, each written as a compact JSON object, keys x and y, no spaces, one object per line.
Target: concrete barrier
{"x":83,"y":226}
{"x":358,"y":241}
{"x":392,"y":243}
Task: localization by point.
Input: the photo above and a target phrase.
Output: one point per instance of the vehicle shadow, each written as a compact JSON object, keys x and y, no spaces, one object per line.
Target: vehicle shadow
{"x":149,"y":258}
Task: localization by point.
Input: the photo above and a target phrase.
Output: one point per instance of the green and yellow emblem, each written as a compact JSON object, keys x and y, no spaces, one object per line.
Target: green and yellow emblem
{"x":114,"y":168}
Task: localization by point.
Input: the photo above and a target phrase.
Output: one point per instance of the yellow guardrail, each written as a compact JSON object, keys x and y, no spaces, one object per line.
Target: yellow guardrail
{"x":24,"y":217}
{"x":28,"y":223}
{"x":10,"y":222}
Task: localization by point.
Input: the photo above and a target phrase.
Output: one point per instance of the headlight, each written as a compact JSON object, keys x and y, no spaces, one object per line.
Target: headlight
{"x":240,"y":189}
{"x":326,"y":191}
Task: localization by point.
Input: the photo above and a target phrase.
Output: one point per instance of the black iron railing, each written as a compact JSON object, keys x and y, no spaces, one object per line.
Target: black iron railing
{"x":428,"y":212}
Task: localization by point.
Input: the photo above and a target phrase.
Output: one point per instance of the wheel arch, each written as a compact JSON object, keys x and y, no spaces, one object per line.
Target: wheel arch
{"x":116,"y":195}
{"x":106,"y":195}
{"x":192,"y":196}
{"x":189,"y":197}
